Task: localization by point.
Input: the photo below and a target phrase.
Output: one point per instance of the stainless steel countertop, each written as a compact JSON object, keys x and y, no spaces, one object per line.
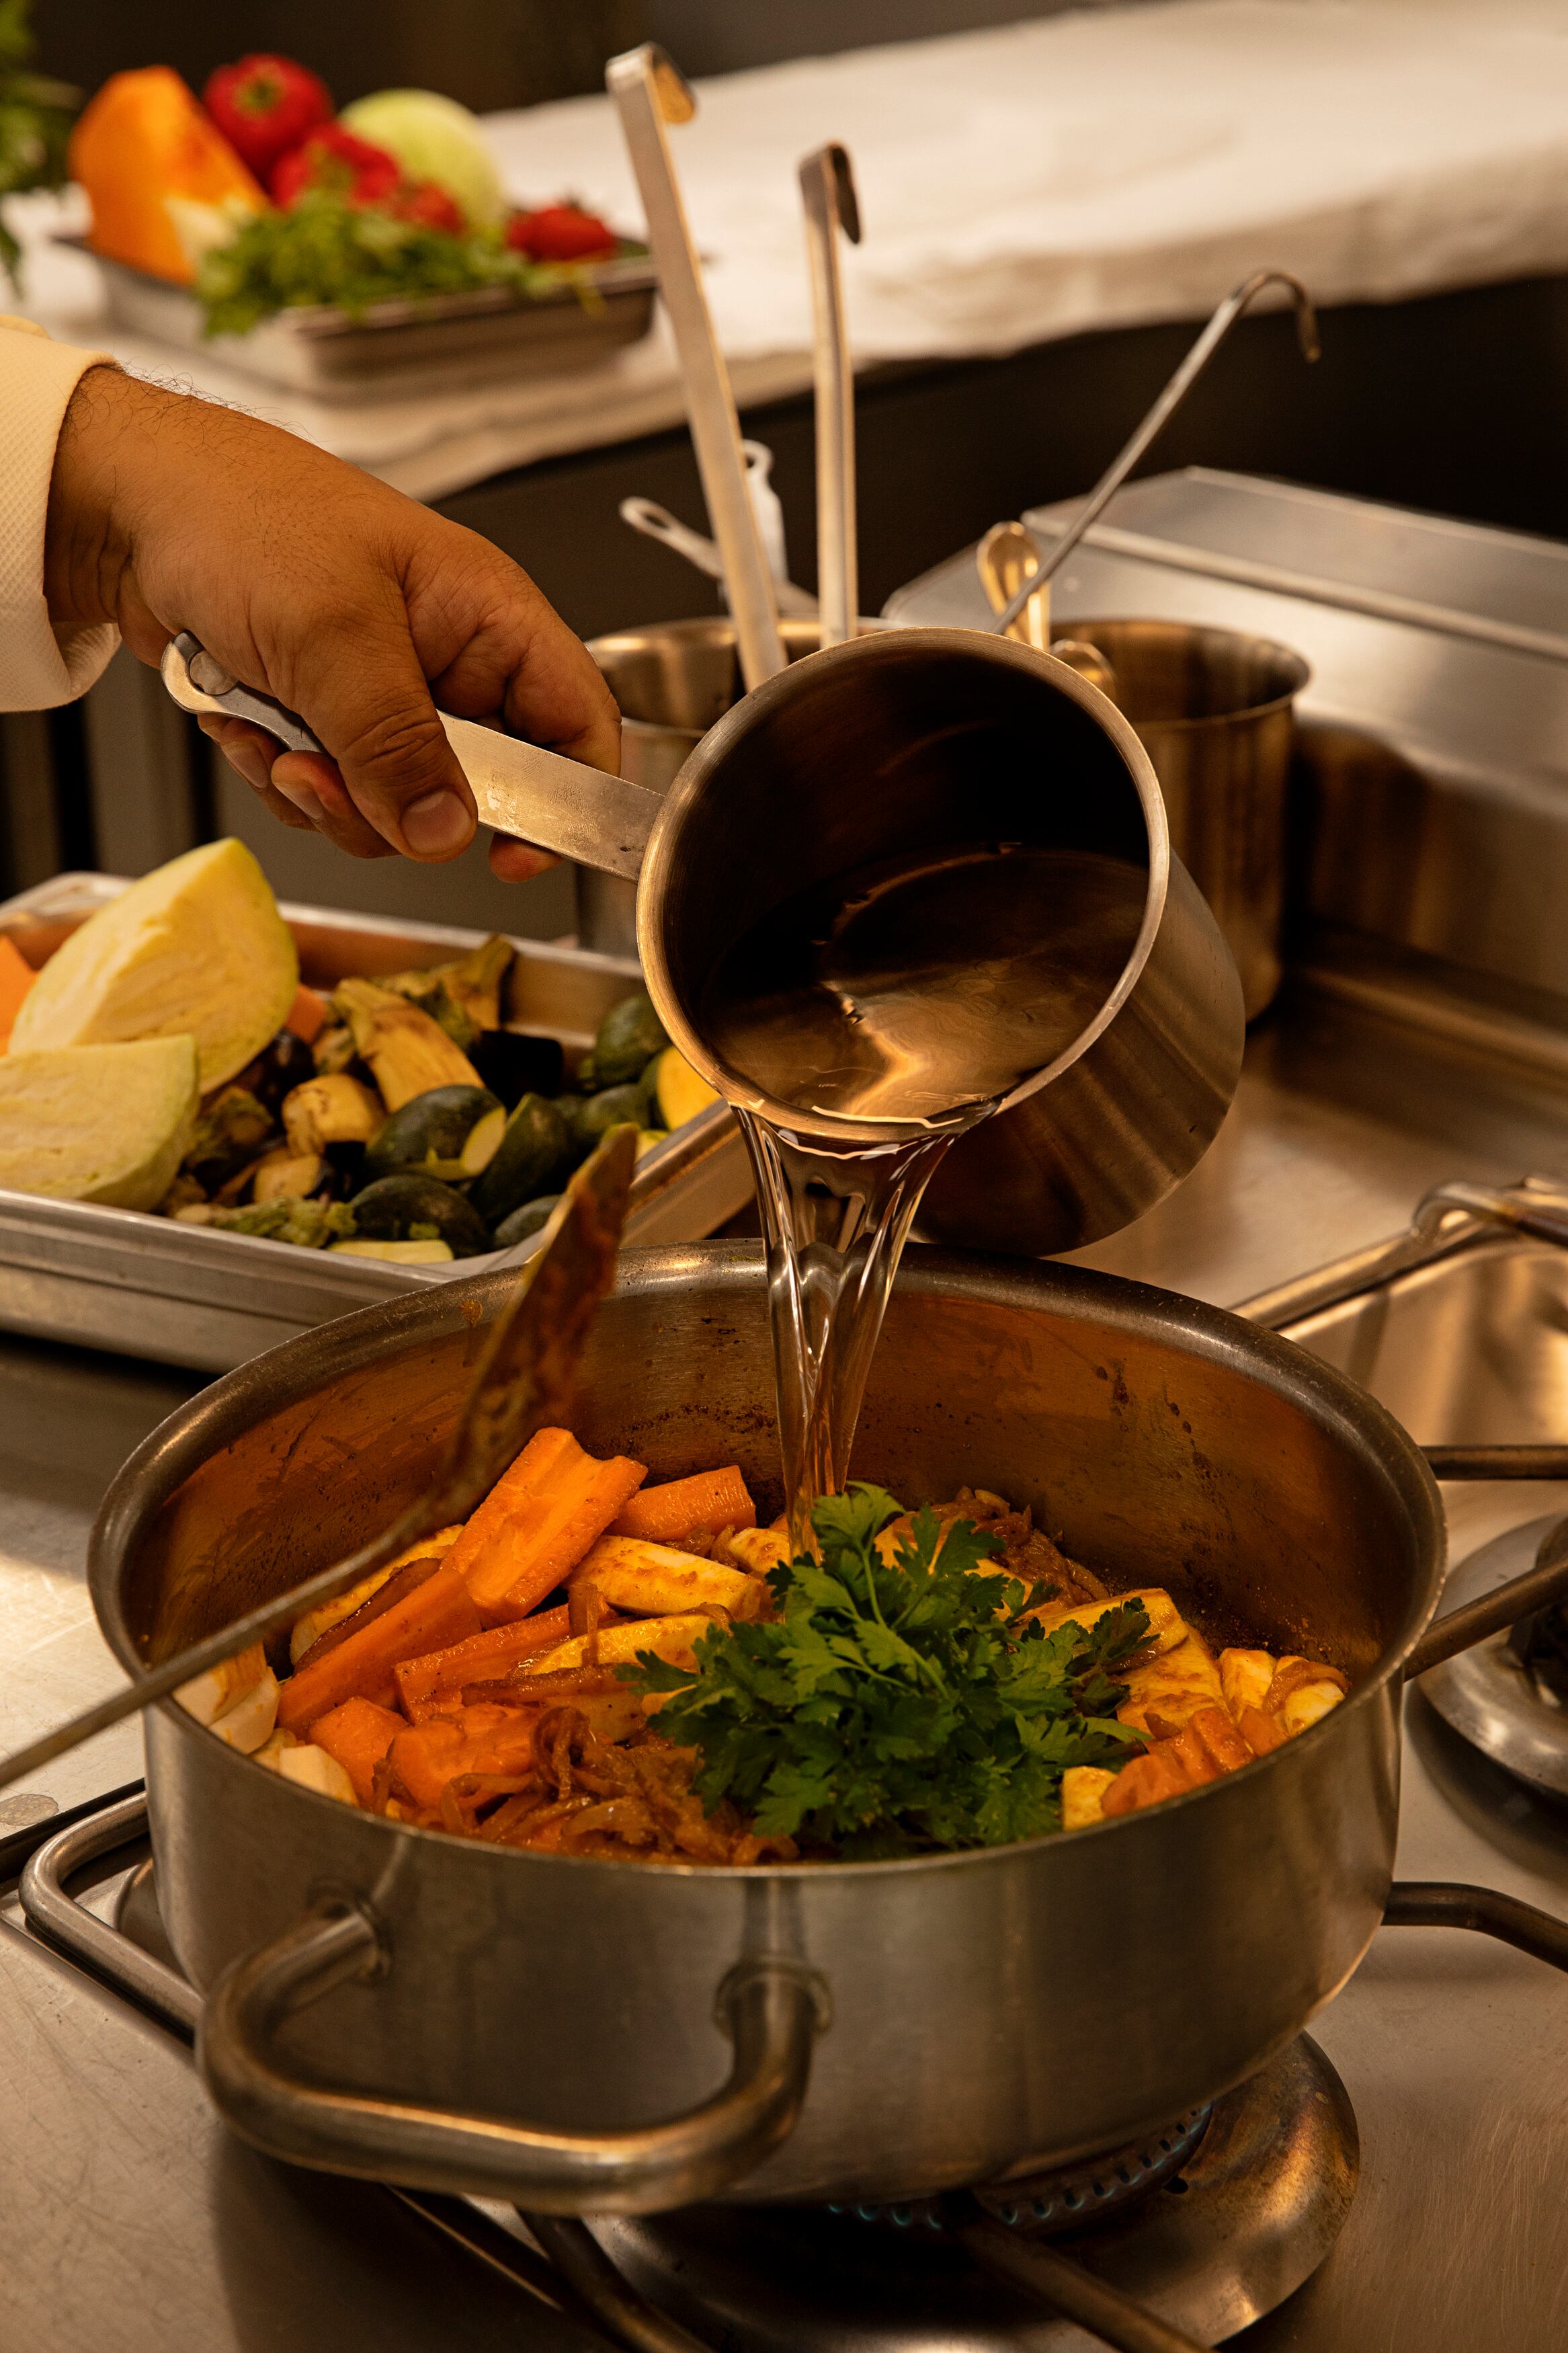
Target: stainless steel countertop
{"x":129,"y":2222}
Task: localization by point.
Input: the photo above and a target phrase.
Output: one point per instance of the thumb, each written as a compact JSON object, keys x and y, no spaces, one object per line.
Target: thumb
{"x":362,"y":691}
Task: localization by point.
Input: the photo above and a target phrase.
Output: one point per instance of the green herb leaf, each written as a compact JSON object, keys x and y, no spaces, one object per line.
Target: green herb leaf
{"x":894,"y":1709}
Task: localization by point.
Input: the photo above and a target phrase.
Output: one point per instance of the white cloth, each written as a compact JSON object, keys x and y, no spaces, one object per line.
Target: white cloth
{"x":1112,"y":165}
{"x":39,"y":665}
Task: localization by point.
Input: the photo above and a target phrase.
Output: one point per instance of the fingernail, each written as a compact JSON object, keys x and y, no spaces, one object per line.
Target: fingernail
{"x":436,"y":822}
{"x":303,"y":799}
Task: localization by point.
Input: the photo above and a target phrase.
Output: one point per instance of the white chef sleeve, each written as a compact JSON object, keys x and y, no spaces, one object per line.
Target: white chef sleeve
{"x":39,"y":665}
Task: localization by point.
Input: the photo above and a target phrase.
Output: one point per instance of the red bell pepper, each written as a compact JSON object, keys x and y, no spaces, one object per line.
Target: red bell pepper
{"x":267,"y":105}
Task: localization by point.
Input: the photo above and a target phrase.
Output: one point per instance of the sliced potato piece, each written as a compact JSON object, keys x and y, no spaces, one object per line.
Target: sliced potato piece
{"x":1245,"y":1677}
{"x":206,"y":1696}
{"x":1172,"y":1688}
{"x":249,"y":1724}
{"x":658,"y":1581}
{"x":1309,"y":1699}
{"x":1083,"y":1796}
{"x":312,"y":1768}
{"x":273,"y":1748}
{"x":287,"y":1176}
{"x":758,"y":1549}
{"x":670,"y":1637}
{"x":1166,"y":1627}
{"x":332,"y":1108}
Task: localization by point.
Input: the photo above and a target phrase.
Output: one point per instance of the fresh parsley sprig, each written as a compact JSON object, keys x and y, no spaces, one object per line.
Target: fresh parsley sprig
{"x":895,"y":1710}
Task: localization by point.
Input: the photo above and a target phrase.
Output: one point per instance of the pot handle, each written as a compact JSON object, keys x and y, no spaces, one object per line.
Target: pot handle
{"x":769,"y":2005}
{"x":1462,"y":1629}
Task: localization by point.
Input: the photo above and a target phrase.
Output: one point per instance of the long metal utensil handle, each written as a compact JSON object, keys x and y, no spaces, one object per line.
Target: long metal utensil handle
{"x":1170,"y":400}
{"x":524,"y":1383}
{"x":650,"y":520}
{"x":827,"y":192}
{"x":577,"y":811}
{"x":649,"y":93}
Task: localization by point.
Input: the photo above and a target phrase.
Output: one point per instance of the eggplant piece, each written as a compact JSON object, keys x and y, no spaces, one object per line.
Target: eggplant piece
{"x":412,"y":1208}
{"x":514,"y":1065}
{"x":534,"y":1151}
{"x":630,"y":1035}
{"x":451,"y":1133}
{"x":280,"y":1067}
{"x":531,"y":1218}
{"x":230,"y":1131}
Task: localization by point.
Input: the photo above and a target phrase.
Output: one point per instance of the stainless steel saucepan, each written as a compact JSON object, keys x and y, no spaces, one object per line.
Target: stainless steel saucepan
{"x":595,"y":2036}
{"x":910,"y":740}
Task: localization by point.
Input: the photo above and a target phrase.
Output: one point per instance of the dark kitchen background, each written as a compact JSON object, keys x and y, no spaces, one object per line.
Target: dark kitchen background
{"x":1452,"y":402}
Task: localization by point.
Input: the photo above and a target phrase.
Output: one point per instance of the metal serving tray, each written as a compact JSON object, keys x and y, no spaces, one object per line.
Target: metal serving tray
{"x":145,"y":1286}
{"x":434,"y":342}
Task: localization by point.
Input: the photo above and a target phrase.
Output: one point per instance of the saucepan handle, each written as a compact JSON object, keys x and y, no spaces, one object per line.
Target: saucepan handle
{"x":771,"y":2006}
{"x":1547,"y":1582}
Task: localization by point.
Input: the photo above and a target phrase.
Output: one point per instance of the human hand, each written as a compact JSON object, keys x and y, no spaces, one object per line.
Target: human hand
{"x":305,"y":578}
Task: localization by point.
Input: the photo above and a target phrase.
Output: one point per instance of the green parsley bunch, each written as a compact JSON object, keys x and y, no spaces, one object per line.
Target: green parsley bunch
{"x":894,"y":1710}
{"x":326,"y":250}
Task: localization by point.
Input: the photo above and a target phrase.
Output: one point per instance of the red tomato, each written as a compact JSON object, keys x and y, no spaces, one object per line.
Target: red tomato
{"x":334,"y":160}
{"x":561,"y":233}
{"x":265,"y":106}
{"x":429,"y":204}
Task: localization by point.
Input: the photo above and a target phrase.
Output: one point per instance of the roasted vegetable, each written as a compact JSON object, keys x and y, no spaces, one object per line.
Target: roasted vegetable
{"x":309,"y":1225}
{"x":437,"y":1612}
{"x":416,"y":1208}
{"x":197,"y":948}
{"x":105,"y":1123}
{"x":512,"y":1064}
{"x":674,"y":1090}
{"x":703,"y":1505}
{"x":432,"y":1253}
{"x":448,"y":1131}
{"x":333,"y":1049}
{"x":472,"y":986}
{"x":17,"y":977}
{"x":284,"y":1063}
{"x":629,"y":1036}
{"x":288,"y":1176}
{"x":655,"y":1580}
{"x":230,"y":1131}
{"x":407,"y":1052}
{"x":335,"y":1110}
{"x":532,"y":1219}
{"x":428,"y":991}
{"x":534,"y":1151}
{"x":589,"y":1118}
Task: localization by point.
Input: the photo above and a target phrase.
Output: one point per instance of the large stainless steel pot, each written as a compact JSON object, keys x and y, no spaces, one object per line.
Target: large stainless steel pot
{"x":385,"y":1999}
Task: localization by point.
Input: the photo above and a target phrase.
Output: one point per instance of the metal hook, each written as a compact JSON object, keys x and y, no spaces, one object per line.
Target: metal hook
{"x":1224,"y":317}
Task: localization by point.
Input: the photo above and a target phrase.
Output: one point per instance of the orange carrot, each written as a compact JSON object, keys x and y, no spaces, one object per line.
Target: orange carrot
{"x":307,"y":1015}
{"x":17,"y":977}
{"x":682,"y":1508}
{"x":427,"y":1685}
{"x":537,"y":1523}
{"x":358,"y":1734}
{"x":436,"y":1613}
{"x":478,"y":1739}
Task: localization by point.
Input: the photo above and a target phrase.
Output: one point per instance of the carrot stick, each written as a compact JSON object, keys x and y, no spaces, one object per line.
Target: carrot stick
{"x":426,"y":1685}
{"x":699,"y":1506}
{"x":17,"y":977}
{"x":537,"y":1523}
{"x":307,"y":1015}
{"x":358,"y":1734}
{"x":436,"y":1613}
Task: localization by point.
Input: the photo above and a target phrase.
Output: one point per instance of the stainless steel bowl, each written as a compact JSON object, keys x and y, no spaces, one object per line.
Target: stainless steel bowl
{"x":395,"y":2002}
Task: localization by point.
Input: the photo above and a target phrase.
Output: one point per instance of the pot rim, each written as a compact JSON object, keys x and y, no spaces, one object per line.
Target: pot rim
{"x":199,"y":1428}
{"x":827,"y":1129}
{"x":1287,"y":656}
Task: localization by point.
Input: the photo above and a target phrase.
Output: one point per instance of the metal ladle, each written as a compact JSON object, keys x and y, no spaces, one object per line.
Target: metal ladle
{"x":833,"y":209}
{"x":1035,"y":584}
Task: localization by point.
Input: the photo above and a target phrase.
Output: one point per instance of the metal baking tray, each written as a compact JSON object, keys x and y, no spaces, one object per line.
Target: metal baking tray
{"x":431,"y":344}
{"x":145,"y":1286}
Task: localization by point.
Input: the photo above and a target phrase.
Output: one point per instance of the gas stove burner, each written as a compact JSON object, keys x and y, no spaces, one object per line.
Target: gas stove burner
{"x":1223,"y":2225}
{"x":1489,"y":1694}
{"x":1067,"y":2197}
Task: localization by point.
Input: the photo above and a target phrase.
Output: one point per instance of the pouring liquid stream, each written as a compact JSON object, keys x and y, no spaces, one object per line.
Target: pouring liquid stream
{"x":913,"y":996}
